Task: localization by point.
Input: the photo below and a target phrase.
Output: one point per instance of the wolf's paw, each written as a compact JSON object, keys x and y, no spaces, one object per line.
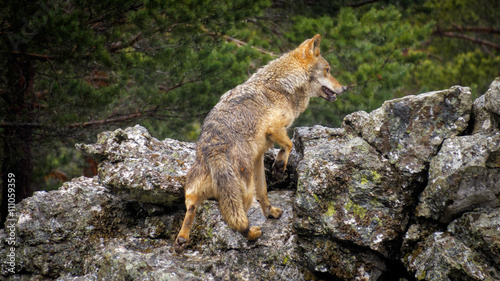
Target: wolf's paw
{"x":180,"y":244}
{"x":254,"y":233}
{"x":275,"y":213}
{"x":278,"y":169}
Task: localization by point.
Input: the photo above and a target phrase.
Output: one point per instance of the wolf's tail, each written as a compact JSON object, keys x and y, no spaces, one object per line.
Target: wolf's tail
{"x":230,"y":198}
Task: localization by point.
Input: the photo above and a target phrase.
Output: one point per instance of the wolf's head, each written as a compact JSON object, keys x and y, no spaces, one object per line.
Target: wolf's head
{"x":322,"y":84}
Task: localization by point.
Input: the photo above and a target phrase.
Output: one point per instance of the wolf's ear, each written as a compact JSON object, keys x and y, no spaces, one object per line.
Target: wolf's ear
{"x":310,"y":47}
{"x":316,"y":41}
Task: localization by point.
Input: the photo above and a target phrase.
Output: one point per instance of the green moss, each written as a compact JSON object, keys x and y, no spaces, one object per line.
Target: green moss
{"x":421,"y":276}
{"x":400,"y":146}
{"x":355,"y":209}
{"x":286,"y":260}
{"x":210,"y":232}
{"x":316,"y":198}
{"x":331,"y":210}
{"x":375,"y":176}
{"x":368,"y":178}
{"x":364,"y":181}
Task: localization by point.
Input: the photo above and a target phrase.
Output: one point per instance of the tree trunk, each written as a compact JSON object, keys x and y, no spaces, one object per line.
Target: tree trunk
{"x":17,"y":161}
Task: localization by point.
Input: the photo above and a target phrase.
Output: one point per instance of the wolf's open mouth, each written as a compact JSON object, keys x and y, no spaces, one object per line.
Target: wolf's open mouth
{"x":331,"y":95}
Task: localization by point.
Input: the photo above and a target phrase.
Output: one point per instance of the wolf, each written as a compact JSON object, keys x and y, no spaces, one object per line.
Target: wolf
{"x":243,"y":125}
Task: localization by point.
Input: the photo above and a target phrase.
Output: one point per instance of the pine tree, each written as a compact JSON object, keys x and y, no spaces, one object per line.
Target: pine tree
{"x":71,"y":68}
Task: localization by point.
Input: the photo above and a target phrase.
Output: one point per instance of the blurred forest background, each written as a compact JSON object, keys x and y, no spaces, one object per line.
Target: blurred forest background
{"x":73,"y":68}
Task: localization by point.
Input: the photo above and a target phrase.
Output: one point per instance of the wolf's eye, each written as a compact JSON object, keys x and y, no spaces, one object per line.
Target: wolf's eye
{"x":327,"y":70}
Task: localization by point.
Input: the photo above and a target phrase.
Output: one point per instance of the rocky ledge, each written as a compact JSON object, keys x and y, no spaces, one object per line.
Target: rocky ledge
{"x":410,"y":191}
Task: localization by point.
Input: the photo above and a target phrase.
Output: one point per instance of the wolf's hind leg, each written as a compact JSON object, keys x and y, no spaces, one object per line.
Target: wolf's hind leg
{"x":253,"y":233}
{"x":192,"y":203}
{"x":261,"y":192}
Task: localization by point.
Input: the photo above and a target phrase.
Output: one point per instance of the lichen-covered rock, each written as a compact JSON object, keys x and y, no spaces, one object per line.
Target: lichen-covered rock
{"x":444,"y":257}
{"x":484,"y":121}
{"x":143,"y":259}
{"x":140,"y":167}
{"x":463,"y":176}
{"x":217,"y":235}
{"x":337,"y":261}
{"x":486,"y":110}
{"x":85,"y":232}
{"x":348,"y":191}
{"x":409,"y":130}
{"x":492,"y":98}
{"x":54,"y":229}
{"x":480,"y":230}
{"x":271,"y":257}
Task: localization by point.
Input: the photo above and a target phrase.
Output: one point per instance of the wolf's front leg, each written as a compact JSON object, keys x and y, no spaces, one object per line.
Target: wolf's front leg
{"x":279,"y":165}
{"x":280,"y":137}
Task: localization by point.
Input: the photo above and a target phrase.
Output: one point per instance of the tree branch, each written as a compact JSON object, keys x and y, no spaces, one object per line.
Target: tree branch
{"x":359,"y":4}
{"x":238,"y":42}
{"x":182,"y":83}
{"x":33,"y":55}
{"x":118,"y":46}
{"x":113,"y":120}
{"x":467,"y":38}
{"x":127,"y":117}
{"x":83,"y":124}
{"x":477,"y":29}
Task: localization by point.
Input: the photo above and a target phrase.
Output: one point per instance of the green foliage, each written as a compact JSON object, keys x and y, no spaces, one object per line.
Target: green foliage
{"x":472,"y":69}
{"x":106,"y":63}
{"x":457,"y":55}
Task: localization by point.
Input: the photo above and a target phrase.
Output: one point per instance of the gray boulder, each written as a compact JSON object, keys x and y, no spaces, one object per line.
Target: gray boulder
{"x":409,"y":131}
{"x":468,"y":249}
{"x":348,"y":191}
{"x":137,"y":166}
{"x":480,"y":231}
{"x":56,"y":231}
{"x":444,"y":257}
{"x":463,"y":176}
{"x":486,"y":110}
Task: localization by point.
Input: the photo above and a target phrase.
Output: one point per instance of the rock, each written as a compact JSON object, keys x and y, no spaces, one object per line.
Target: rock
{"x":492,"y":98}
{"x":211,"y":228}
{"x":348,"y":191}
{"x":409,"y":130}
{"x":484,"y":121}
{"x":85,"y":232}
{"x":54,"y":229}
{"x":140,"y":167}
{"x":486,"y":110}
{"x":271,"y":257}
{"x":351,"y":205}
{"x":463,"y":176}
{"x":444,"y":257}
{"x":336,"y":261}
{"x":479,"y":230}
